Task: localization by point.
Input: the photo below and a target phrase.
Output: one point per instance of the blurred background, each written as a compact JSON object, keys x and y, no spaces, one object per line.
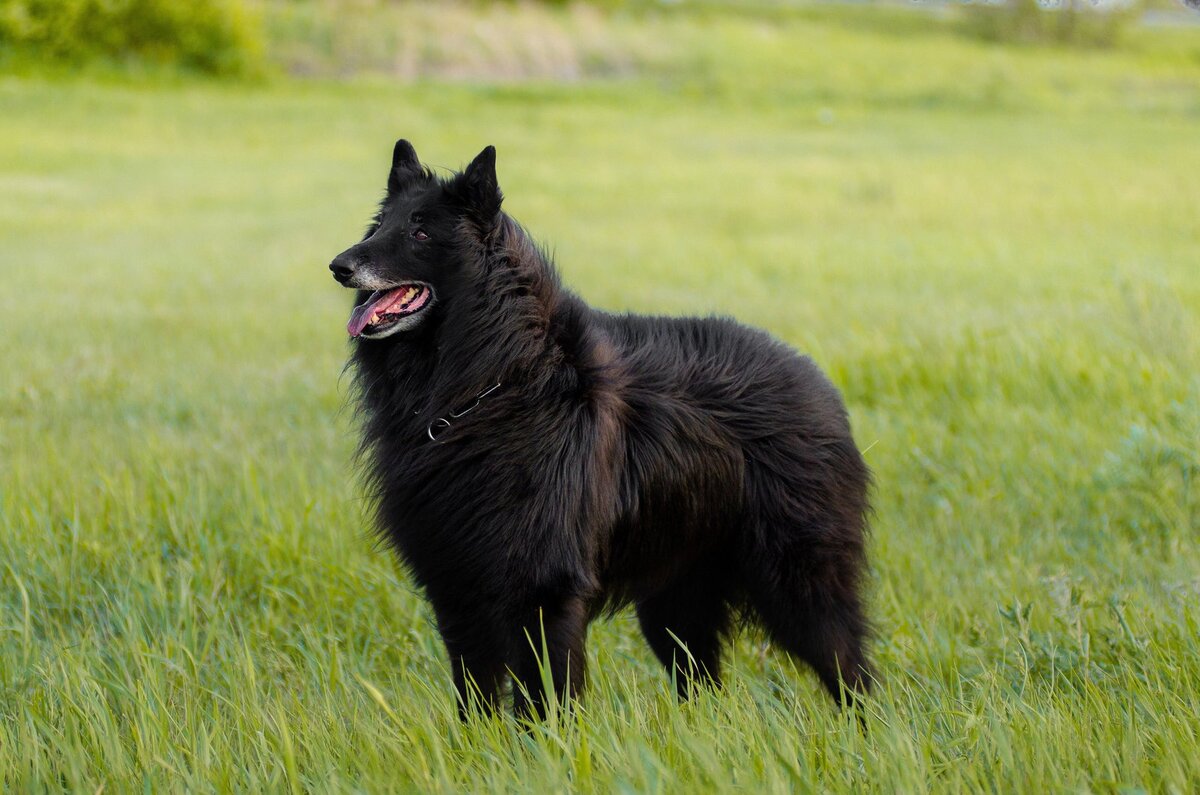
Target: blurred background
{"x":501,"y":41}
{"x":979,"y":218}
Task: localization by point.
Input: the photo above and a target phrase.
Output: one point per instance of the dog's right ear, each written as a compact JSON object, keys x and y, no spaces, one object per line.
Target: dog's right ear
{"x":405,"y":165}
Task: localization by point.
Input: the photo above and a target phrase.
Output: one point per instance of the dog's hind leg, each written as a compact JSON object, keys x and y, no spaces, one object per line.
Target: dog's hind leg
{"x":817,"y":616}
{"x":685,"y":626}
{"x":552,"y":642}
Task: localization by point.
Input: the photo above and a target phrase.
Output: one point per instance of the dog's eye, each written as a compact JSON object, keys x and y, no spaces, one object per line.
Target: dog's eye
{"x":419,"y":234}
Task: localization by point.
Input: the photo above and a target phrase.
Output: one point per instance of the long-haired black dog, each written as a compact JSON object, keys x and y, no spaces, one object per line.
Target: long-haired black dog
{"x":537,"y":462}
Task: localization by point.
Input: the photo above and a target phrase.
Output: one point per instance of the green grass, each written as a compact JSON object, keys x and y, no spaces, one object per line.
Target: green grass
{"x":993,"y":252}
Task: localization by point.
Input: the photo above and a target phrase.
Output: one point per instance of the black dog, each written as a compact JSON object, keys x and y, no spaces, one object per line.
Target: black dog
{"x":537,"y":462}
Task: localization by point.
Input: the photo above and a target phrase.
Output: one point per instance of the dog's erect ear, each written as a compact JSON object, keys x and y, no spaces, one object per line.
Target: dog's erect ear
{"x":405,"y":165}
{"x":478,"y":188}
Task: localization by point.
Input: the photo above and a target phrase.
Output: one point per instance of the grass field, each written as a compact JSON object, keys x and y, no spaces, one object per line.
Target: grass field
{"x":994,"y":252}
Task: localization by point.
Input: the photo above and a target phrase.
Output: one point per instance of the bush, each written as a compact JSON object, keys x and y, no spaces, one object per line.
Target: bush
{"x":214,"y":36}
{"x":1089,"y":23}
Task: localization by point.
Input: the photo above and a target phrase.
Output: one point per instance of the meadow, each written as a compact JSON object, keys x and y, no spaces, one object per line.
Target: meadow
{"x":994,"y":251}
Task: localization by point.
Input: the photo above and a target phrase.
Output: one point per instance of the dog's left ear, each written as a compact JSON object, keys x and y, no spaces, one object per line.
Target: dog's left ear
{"x":478,"y":188}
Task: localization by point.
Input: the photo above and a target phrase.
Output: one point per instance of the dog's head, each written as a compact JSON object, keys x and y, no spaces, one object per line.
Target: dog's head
{"x":407,"y":262}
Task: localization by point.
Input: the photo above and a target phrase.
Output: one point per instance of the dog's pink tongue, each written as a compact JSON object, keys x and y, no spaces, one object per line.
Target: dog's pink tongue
{"x":360,"y":318}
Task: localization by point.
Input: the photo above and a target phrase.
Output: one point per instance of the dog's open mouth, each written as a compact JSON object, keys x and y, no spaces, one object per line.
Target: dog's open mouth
{"x":384,"y":309}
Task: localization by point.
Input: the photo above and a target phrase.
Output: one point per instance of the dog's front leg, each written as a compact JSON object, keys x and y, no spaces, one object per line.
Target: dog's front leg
{"x":551,"y":651}
{"x":479,"y":658}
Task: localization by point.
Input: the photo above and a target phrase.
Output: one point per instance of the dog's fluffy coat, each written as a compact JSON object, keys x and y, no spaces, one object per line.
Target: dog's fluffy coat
{"x":696,"y":468}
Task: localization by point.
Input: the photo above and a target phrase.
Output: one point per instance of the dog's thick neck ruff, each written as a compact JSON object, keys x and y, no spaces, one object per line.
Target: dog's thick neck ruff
{"x":504,"y":319}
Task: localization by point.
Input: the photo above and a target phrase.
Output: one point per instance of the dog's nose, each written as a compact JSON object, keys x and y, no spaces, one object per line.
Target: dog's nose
{"x":342,"y":267}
